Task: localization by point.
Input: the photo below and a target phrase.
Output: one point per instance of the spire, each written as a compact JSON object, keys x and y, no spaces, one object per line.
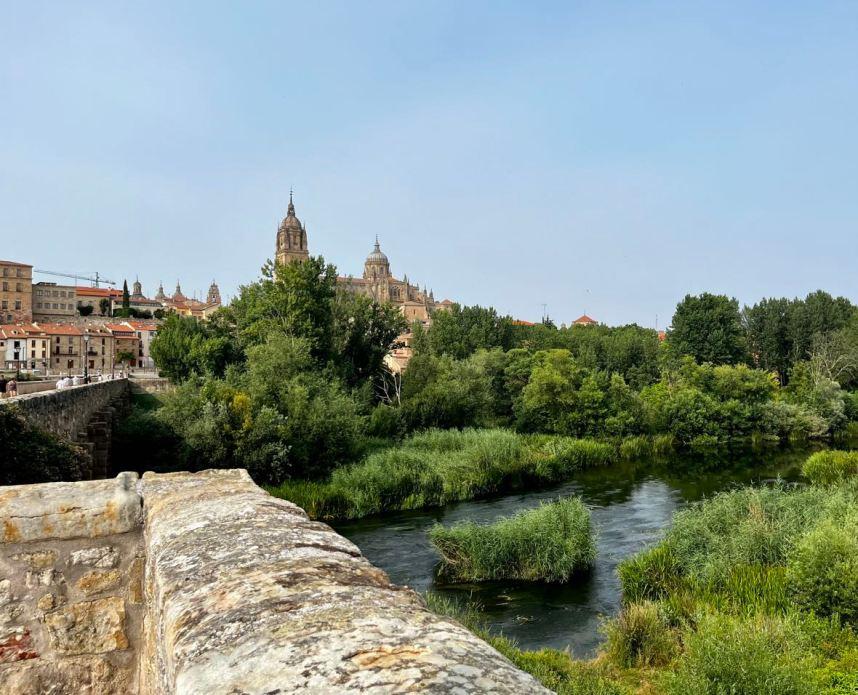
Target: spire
{"x":377,"y":247}
{"x":291,"y":208}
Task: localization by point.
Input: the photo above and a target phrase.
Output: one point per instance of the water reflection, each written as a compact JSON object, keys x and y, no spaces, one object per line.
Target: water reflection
{"x":631,"y":504}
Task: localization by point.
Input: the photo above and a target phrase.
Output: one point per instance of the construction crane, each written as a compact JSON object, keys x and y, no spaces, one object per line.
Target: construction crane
{"x":95,"y":280}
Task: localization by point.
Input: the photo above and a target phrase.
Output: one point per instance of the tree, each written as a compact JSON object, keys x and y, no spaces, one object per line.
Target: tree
{"x":709,"y":328}
{"x":126,"y":297}
{"x":184,"y":346}
{"x":295,"y":299}
{"x":461,"y":331}
{"x":769,"y":333}
{"x":125,"y":357}
{"x":84,"y":309}
{"x":104,"y":306}
{"x":364,"y":332}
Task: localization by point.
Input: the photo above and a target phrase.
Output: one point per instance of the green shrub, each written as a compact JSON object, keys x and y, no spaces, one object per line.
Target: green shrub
{"x":637,"y":447}
{"x":822,"y":570}
{"x":639,"y":637}
{"x":727,"y":656}
{"x":831,"y":467}
{"x":548,"y":543}
{"x":650,"y":574}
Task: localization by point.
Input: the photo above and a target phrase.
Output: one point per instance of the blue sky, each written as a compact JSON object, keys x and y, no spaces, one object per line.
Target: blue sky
{"x":607,"y":157}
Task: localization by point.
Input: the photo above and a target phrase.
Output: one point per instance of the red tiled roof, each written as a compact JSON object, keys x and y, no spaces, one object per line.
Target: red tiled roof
{"x":98,"y":292}
{"x":584,"y":319}
{"x":519,"y":322}
{"x":59,"y":329}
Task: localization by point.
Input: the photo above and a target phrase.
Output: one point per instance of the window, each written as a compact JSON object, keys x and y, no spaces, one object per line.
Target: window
{"x":32,"y":343}
{"x":5,"y":286}
{"x":18,"y":287}
{"x":4,"y":304}
{"x":17,"y":305}
{"x":19,"y":272}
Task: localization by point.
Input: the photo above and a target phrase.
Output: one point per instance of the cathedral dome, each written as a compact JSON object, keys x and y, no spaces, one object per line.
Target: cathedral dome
{"x":377,"y":255}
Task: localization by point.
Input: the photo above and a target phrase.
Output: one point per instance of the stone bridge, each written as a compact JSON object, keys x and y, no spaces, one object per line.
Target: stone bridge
{"x":203,"y":583}
{"x":83,"y":414}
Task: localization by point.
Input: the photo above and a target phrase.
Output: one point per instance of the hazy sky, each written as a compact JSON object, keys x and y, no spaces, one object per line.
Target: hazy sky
{"x":607,"y":157}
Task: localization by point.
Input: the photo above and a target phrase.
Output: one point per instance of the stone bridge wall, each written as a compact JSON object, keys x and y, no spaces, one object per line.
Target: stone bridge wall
{"x":242,"y":593}
{"x":84,"y":414}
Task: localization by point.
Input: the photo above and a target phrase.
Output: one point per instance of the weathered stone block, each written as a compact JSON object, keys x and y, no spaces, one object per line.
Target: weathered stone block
{"x":88,"y":627}
{"x":96,"y":581}
{"x":83,"y":675}
{"x":69,"y":510}
{"x":103,"y":557}
{"x":41,"y":559}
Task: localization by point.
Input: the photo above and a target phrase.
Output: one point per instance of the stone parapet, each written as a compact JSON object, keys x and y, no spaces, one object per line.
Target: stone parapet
{"x":216,"y":587}
{"x":71,"y":602}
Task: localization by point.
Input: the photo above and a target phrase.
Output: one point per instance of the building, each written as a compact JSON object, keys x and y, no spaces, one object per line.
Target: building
{"x":187,"y":306}
{"x":16,"y":292}
{"x":126,"y":344}
{"x":138,"y":301}
{"x":103,"y":300}
{"x":291,"y":238}
{"x":146,"y":331}
{"x":377,"y":280}
{"x":53,"y":302}
{"x":585,"y":320}
{"x":24,"y":346}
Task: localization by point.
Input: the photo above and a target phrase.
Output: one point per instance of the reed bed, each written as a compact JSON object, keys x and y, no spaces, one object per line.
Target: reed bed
{"x":545,"y":544}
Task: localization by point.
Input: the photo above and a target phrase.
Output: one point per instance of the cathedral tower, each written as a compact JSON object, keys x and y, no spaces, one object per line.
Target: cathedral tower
{"x":291,"y":238}
{"x":214,"y":294}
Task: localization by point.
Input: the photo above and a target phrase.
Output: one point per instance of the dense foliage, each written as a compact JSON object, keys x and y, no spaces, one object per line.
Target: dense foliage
{"x":548,"y":543}
{"x":281,"y":381}
{"x":437,"y":467}
{"x":289,"y":380}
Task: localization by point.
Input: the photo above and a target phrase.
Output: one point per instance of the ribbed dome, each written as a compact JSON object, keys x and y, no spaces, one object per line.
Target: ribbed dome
{"x":377,"y":256}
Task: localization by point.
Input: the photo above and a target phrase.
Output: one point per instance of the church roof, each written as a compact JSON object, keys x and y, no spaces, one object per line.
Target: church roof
{"x":291,"y":221}
{"x":377,"y":255}
{"x":584,"y":319}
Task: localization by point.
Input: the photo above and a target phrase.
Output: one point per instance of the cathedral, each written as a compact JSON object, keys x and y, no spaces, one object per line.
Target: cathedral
{"x":377,"y":280}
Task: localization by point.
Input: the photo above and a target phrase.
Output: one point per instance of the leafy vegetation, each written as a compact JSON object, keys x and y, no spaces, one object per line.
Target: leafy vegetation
{"x":547,"y":544}
{"x":437,"y":467}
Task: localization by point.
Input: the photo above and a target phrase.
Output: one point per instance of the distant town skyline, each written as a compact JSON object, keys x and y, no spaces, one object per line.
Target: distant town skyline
{"x":592,"y":158}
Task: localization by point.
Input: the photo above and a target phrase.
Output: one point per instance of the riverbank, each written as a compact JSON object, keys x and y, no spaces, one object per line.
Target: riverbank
{"x":440,"y":467}
{"x":751,"y":591}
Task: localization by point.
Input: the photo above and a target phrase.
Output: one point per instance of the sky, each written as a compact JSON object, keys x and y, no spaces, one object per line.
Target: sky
{"x":604,"y":157}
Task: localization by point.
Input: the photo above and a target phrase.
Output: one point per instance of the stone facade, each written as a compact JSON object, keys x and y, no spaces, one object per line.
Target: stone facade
{"x":54,"y":302}
{"x":71,"y":603}
{"x":16,"y":292}
{"x":240,"y":593}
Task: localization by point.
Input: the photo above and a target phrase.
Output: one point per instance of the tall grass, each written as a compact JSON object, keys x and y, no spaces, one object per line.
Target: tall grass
{"x":640,"y":637}
{"x":831,"y":467}
{"x":547,"y":544}
{"x":442,"y":466}
{"x":555,"y":669}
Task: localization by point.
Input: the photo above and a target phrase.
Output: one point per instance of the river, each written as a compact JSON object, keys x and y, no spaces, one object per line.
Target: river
{"x":631,"y":504}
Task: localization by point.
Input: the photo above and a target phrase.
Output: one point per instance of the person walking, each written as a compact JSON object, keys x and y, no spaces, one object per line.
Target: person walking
{"x":2,"y":386}
{"x":11,"y":388}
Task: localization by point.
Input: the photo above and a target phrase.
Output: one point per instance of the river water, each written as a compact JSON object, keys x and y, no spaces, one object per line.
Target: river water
{"x":631,"y":505}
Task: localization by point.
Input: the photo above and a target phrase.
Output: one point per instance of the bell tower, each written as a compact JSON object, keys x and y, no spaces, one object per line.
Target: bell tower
{"x":291,"y":238}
